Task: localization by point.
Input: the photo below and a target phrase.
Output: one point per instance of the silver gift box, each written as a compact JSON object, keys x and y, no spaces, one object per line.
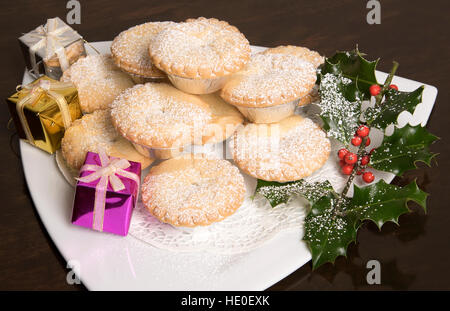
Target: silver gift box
{"x":50,"y":49}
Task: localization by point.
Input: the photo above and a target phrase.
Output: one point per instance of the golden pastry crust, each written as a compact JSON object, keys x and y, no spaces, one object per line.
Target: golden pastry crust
{"x":225,"y":120}
{"x":200,"y":49}
{"x":157,"y":115}
{"x":270,"y":80}
{"x":129,"y":49}
{"x":97,"y":80}
{"x":285,"y":151}
{"x":311,"y":56}
{"x":193,"y":191}
{"x":94,"y":131}
{"x":309,"y":98}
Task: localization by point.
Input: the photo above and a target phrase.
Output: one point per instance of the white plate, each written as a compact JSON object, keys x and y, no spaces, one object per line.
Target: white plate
{"x":109,"y":262}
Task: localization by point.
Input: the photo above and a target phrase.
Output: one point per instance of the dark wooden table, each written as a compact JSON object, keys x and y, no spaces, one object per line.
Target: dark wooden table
{"x":415,"y":33}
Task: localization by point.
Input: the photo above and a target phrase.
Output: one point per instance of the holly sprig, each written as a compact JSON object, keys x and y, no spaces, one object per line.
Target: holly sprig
{"x":333,"y":220}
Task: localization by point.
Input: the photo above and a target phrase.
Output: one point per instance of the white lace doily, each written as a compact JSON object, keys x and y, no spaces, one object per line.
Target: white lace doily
{"x":254,"y":223}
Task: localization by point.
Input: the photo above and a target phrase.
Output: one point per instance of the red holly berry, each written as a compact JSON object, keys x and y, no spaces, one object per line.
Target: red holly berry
{"x":393,"y":86}
{"x":374,"y":89}
{"x":359,"y":172}
{"x":362,"y":131}
{"x":372,"y":150}
{"x":350,"y":158}
{"x":368,"y":177}
{"x":347,"y":169}
{"x":342,"y":152}
{"x":365,"y":160}
{"x":341,"y":163}
{"x":356,"y":141}
{"x":367,"y":141}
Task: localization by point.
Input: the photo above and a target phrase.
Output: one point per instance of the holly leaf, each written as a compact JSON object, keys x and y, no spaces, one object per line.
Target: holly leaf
{"x":340,"y":107}
{"x":395,"y":103}
{"x":382,"y":202}
{"x":326,"y":233}
{"x":403,"y":149}
{"x":354,"y":66}
{"x":351,"y":92}
{"x":277,"y":193}
{"x":329,"y":232}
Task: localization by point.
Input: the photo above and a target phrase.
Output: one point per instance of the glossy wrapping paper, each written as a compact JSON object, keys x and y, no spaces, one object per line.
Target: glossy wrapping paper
{"x":118,"y":207}
{"x":51,"y":48}
{"x":43,"y":116}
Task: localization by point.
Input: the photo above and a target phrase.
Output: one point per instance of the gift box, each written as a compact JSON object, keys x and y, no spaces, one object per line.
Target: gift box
{"x":106,"y":193}
{"x":50,"y":49}
{"x":42,"y":110}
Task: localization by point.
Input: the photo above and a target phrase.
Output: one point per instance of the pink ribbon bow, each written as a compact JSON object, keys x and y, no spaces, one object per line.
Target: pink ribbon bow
{"x":108,"y":172}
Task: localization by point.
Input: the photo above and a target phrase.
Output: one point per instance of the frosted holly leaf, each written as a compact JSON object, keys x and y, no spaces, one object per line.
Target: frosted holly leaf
{"x":403,"y":149}
{"x":332,"y":223}
{"x":395,"y":103}
{"x":328,"y":234}
{"x":277,"y":193}
{"x":354,"y":66}
{"x":340,"y":114}
{"x":382,"y":202}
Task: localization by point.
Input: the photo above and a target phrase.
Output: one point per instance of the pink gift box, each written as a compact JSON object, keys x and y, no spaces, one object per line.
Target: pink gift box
{"x":119,"y":205}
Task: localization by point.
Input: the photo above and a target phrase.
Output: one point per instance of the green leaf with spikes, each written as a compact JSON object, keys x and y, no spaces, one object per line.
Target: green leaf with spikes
{"x":354,"y":66}
{"x":326,"y":233}
{"x":332,"y":224}
{"x":395,"y":103}
{"x":277,"y":193}
{"x":340,"y":106}
{"x":382,"y":202}
{"x":400,"y":151}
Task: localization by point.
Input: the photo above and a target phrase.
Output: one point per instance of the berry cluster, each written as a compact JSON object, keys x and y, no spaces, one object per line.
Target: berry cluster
{"x":375,"y":89}
{"x":348,"y":160}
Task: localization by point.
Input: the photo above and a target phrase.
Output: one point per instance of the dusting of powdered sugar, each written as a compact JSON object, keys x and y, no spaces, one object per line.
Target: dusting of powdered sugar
{"x":92,"y":132}
{"x":130,"y":47}
{"x":202,"y":48}
{"x":201,"y":192}
{"x":97,"y":80}
{"x":157,"y":114}
{"x":291,"y":155}
{"x":311,"y":56}
{"x":270,"y":79}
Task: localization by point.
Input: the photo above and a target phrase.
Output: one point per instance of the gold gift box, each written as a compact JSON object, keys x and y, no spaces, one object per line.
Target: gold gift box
{"x":43,"y":116}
